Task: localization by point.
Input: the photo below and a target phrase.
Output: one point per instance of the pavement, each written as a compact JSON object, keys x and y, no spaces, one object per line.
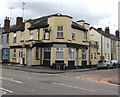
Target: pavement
{"x":43,"y":69}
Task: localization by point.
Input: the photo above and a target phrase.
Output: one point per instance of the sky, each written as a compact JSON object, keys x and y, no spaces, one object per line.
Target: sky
{"x":98,"y":13}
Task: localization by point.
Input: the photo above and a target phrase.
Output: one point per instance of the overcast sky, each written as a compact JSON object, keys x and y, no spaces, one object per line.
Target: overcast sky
{"x":98,"y":13}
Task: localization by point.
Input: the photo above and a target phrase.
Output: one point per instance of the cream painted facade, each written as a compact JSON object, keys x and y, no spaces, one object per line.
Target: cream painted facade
{"x":104,"y":44}
{"x":57,"y":40}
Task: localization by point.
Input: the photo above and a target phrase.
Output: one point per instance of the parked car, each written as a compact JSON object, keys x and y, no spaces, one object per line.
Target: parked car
{"x":104,"y":64}
{"x":115,"y":63}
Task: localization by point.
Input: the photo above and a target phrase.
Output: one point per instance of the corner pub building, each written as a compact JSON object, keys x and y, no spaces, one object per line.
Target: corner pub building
{"x":49,"y":40}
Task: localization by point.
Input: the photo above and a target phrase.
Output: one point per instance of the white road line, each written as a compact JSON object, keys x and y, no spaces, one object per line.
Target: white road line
{"x":11,"y":79}
{"x":73,"y":87}
{"x":6,"y":90}
{"x":81,"y":76}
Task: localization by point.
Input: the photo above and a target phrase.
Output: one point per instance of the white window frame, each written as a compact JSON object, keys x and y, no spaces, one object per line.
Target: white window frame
{"x":22,"y":35}
{"x":60,"y":50}
{"x":73,"y":34}
{"x":84,"y":36}
{"x":60,"y":31}
{"x":84,"y":51}
{"x":14,"y":53}
{"x":14,"y":37}
{"x":31,"y":35}
{"x":46,"y":35}
{"x":71,"y":53}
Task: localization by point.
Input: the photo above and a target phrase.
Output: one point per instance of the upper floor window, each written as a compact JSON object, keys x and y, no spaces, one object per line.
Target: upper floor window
{"x":59,"y":53}
{"x":46,"y":35}
{"x":73,"y":34}
{"x":22,"y":35}
{"x":71,"y":54}
{"x":84,"y":36}
{"x":107,"y":45}
{"x":95,"y":57}
{"x":7,"y":38}
{"x":31,"y":35}
{"x":14,"y":37}
{"x":60,"y":30}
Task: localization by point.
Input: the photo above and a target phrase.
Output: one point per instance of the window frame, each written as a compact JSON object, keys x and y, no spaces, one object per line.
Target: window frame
{"x":31,"y":35}
{"x":71,"y":52}
{"x":47,"y":50}
{"x":84,"y":36}
{"x":37,"y":55}
{"x":60,"y":50}
{"x":22,"y":35}
{"x":85,"y":54}
{"x":14,"y":53}
{"x":60,"y":33}
{"x":73,"y":34}
{"x":14,"y":37}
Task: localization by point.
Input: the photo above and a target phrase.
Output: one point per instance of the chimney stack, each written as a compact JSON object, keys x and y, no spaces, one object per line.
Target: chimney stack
{"x":19,"y":20}
{"x":107,"y":30}
{"x":6,"y":23}
{"x":117,"y":33}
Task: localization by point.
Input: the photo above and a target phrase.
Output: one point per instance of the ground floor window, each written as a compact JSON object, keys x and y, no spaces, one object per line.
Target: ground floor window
{"x":83,"y":54}
{"x":14,"y":53}
{"x":59,"y":53}
{"x":37,"y":53}
{"x":71,"y":54}
{"x":47,"y":53}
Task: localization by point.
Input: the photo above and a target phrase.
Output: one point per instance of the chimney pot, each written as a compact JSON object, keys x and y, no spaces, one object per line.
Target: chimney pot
{"x":117,"y":33}
{"x":107,"y":30}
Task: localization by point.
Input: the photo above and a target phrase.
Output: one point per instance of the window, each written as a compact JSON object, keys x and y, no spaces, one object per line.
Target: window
{"x":71,"y":54}
{"x":37,"y":53}
{"x":47,"y":53}
{"x":59,"y":53}
{"x":31,"y":35}
{"x":83,"y":54}
{"x":73,"y":34}
{"x":7,"y":38}
{"x":84,"y":36}
{"x":14,"y":53}
{"x":107,"y":45}
{"x":14,"y":37}
{"x":91,"y":55}
{"x":46,"y":35}
{"x":22,"y":36}
{"x":60,"y":31}
{"x":95,"y":56}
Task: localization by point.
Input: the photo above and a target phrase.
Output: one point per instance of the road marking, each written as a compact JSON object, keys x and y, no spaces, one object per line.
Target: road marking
{"x":6,"y":90}
{"x":11,"y":79}
{"x":81,"y":76}
{"x":73,"y":87}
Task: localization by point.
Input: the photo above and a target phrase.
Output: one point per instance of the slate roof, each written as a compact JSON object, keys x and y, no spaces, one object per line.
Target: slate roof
{"x":43,"y":22}
{"x":111,"y":36}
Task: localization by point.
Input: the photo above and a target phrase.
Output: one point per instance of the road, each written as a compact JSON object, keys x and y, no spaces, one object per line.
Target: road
{"x":16,"y":82}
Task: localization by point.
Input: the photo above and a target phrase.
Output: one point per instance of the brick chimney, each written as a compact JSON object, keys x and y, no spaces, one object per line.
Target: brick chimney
{"x":19,"y":20}
{"x":107,"y":30}
{"x":117,"y":33}
{"x":6,"y":23}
